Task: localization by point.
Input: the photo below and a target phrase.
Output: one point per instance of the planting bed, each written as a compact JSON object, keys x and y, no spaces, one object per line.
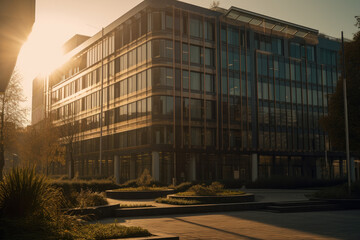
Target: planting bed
{"x":140,"y":194}
{"x":217,"y":199}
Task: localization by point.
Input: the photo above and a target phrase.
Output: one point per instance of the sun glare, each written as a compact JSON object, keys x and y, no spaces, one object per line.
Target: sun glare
{"x":40,"y":54}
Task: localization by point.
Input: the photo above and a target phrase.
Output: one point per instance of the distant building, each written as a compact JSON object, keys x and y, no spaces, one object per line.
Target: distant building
{"x":74,"y":42}
{"x":198,"y":94}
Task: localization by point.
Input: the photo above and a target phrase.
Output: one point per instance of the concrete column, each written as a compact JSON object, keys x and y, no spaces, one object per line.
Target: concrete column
{"x":107,"y":166}
{"x":100,"y":166}
{"x":352,"y":169}
{"x":192,"y":168}
{"x":155,"y":164}
{"x":132,"y":169}
{"x":117,"y":168}
{"x":254,"y":166}
{"x":341,"y":169}
{"x":86,"y":167}
{"x":318,"y":168}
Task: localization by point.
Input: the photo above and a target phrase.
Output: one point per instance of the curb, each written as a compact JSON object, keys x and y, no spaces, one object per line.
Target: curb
{"x":157,"y":236}
{"x":203,"y":208}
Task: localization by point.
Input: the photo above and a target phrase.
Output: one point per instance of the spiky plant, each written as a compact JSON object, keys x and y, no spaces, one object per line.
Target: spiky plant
{"x":23,"y":193}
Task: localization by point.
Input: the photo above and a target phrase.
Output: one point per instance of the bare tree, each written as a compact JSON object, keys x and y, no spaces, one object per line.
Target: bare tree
{"x":69,"y":131}
{"x":215,"y":4}
{"x":39,"y":145}
{"x":12,"y":114}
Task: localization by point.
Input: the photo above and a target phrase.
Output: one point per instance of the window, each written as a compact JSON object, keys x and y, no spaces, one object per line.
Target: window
{"x":195,"y":81}
{"x":123,"y":63}
{"x":209,"y":83}
{"x":168,"y":21}
{"x":196,"y":27}
{"x":132,"y":84}
{"x":123,"y":87}
{"x":185,"y":79}
{"x":209,"y":30}
{"x":132,"y":110}
{"x":156,"y":21}
{"x":162,"y":77}
{"x":185,"y":23}
{"x":196,"y":109}
{"x":186,"y":108}
{"x":185,"y":53}
{"x":209,"y":57}
{"x":163,"y":106}
{"x":196,"y":54}
{"x":210,"y":137}
{"x":310,"y":53}
{"x":162,"y":49}
{"x":141,"y":81}
{"x":233,"y":36}
{"x":111,"y":69}
{"x":132,"y":58}
{"x":277,"y":46}
{"x":196,"y":136}
{"x":210,"y":110}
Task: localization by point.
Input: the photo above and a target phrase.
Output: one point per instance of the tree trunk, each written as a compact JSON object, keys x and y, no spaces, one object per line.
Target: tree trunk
{"x":2,"y":147}
{"x":71,"y":161}
{"x":2,"y":160}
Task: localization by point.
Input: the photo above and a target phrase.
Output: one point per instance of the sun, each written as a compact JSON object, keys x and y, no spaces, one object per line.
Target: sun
{"x":40,"y":54}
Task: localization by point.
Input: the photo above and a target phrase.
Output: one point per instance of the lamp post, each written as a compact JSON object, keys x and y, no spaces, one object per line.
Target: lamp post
{"x":346,"y":115}
{"x":101,"y":101}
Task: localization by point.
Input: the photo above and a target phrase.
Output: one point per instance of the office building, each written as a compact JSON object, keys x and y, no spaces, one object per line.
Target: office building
{"x":199,"y":94}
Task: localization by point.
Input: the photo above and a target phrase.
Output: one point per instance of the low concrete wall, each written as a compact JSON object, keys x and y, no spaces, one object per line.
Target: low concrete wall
{"x":205,"y":208}
{"x":118,"y":194}
{"x":218,"y":199}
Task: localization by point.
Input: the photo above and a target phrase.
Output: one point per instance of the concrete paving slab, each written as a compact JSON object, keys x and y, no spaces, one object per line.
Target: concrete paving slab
{"x":253,"y":225}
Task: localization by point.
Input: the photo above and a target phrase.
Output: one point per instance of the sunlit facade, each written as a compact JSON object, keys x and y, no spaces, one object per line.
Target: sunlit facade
{"x":196,"y":94}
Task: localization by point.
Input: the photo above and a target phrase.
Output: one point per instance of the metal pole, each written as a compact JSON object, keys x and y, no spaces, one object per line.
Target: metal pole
{"x":101,"y":98}
{"x":346,"y":116}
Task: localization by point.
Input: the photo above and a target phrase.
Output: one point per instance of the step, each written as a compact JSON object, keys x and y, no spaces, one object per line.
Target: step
{"x":299,"y":203}
{"x":304,"y":208}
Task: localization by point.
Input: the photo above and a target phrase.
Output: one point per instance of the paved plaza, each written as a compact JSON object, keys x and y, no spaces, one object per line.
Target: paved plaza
{"x":253,"y":225}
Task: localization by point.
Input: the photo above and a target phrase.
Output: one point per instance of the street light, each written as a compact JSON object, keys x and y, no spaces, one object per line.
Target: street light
{"x":346,"y":115}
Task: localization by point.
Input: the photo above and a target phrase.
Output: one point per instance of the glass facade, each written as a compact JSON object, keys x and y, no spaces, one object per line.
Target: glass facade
{"x":197,"y":93}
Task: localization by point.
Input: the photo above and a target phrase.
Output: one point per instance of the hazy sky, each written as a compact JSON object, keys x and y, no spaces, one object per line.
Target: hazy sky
{"x":58,"y":20}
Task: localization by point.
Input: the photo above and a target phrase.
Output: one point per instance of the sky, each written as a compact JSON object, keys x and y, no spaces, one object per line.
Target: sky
{"x":56,"y":21}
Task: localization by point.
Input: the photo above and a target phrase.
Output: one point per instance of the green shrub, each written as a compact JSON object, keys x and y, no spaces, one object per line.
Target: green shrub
{"x":30,"y":208}
{"x":87,"y":198}
{"x":216,"y":187}
{"x":203,"y":190}
{"x":145,"y":179}
{"x":129,"y":184}
{"x":71,"y":187}
{"x":108,"y":231}
{"x":182,"y":187}
{"x":25,"y":194}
